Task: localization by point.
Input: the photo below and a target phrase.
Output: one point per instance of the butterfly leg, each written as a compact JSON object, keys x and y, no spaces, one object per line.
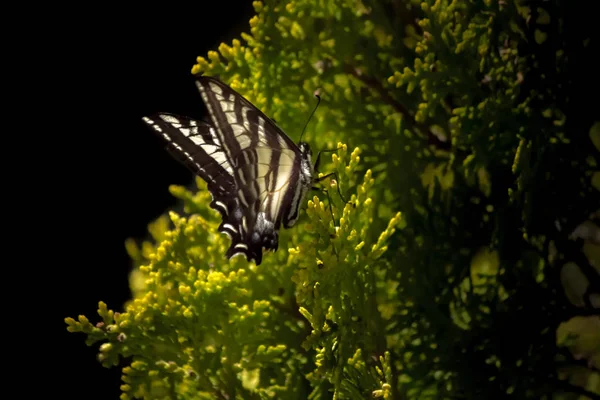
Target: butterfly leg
{"x":319,"y":156}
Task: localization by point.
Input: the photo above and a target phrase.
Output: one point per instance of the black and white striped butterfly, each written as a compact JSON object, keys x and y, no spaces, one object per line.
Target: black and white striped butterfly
{"x":256,"y":174}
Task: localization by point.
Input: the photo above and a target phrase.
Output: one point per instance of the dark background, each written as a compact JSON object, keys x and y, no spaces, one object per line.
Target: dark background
{"x":107,"y":69}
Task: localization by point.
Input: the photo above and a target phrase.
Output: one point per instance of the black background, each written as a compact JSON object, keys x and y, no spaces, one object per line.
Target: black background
{"x":109,"y":175}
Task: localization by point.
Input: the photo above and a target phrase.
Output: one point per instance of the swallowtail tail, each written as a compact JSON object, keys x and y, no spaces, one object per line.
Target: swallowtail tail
{"x":256,"y":174}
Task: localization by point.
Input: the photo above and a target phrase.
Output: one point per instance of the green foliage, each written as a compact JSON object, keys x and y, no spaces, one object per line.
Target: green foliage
{"x":200,"y":326}
{"x":466,"y":263}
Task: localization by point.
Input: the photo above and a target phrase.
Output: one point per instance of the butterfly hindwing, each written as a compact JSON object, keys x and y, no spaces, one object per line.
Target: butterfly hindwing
{"x":266,"y":186}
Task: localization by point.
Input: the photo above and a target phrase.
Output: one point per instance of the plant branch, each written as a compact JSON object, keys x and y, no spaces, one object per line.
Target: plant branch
{"x":570,"y":388}
{"x":579,"y":363}
{"x":376,"y":86}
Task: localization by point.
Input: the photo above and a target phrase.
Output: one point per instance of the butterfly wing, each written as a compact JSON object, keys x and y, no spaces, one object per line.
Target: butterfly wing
{"x":251,"y":167}
{"x":266,"y":165}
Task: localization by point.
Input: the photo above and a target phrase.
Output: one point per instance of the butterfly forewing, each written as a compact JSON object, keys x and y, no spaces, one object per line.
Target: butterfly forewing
{"x":196,"y":145}
{"x":252,"y":168}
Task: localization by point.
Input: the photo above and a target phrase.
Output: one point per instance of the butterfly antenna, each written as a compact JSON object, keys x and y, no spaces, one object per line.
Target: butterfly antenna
{"x":311,"y":114}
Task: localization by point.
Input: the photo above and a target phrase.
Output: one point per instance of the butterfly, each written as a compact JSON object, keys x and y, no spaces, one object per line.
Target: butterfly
{"x":256,"y":174}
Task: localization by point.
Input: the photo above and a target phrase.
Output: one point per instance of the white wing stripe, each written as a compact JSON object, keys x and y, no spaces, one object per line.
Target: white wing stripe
{"x":213,"y":134}
{"x":261,"y":131}
{"x":215,"y":88}
{"x":170,"y":119}
{"x":226,"y":106}
{"x":231,"y":118}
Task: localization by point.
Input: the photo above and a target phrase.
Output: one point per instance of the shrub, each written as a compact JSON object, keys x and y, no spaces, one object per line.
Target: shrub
{"x":467,"y":264}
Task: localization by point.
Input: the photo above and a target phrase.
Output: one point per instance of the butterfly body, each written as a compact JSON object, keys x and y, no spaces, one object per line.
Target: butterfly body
{"x":257,"y":175}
